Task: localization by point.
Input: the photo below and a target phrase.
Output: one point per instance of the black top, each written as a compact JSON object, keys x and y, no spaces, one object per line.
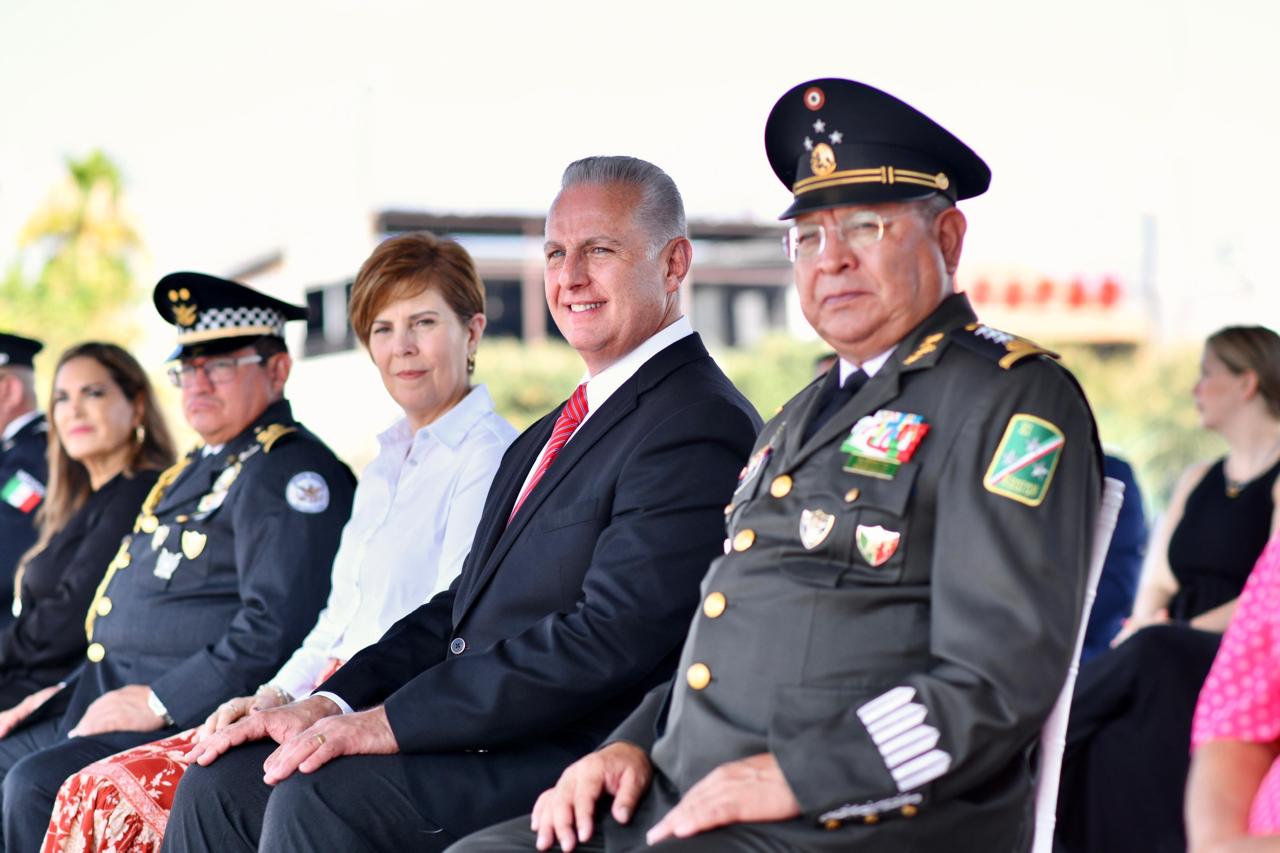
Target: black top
{"x":48,"y":640}
{"x":1218,"y":540}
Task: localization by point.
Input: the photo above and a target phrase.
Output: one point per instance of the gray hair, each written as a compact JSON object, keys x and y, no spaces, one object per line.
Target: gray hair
{"x":660,"y":211}
{"x":26,"y":377}
{"x":930,"y":206}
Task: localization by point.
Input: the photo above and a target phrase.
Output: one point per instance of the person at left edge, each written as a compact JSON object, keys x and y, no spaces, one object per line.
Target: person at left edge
{"x":23,"y":470}
{"x":227,"y":567}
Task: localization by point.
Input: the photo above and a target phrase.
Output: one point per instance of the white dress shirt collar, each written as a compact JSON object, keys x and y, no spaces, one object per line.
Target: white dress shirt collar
{"x":870,"y":367}
{"x":450,"y":428}
{"x":601,"y":386}
{"x":18,"y":423}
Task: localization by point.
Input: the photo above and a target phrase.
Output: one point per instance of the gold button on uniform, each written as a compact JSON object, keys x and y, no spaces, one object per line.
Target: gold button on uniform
{"x":728,"y":509}
{"x":96,"y":652}
{"x":851,"y":495}
{"x":909,"y":810}
{"x":781,"y":486}
{"x":871,"y":818}
{"x":698,"y":676}
{"x":744,"y":540}
{"x":714,"y":605}
{"x":832,"y":823}
{"x":104,"y":606}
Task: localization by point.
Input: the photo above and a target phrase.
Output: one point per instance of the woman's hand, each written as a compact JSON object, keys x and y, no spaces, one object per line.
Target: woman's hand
{"x":13,"y":717}
{"x":1136,"y":623}
{"x":234,"y":709}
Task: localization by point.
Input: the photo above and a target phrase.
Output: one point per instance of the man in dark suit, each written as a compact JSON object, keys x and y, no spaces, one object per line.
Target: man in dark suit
{"x":23,"y":469}
{"x":225,"y":571}
{"x":877,"y":652}
{"x":574,"y":599}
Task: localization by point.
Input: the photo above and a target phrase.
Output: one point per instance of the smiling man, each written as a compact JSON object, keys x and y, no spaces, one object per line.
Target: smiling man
{"x":878,"y":648}
{"x":226,"y":569}
{"x":572,"y":603}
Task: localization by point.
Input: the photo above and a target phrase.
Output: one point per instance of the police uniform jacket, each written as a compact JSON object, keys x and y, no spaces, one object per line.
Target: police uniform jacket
{"x":895,"y":641}
{"x":22,"y":462}
{"x":223,"y":577}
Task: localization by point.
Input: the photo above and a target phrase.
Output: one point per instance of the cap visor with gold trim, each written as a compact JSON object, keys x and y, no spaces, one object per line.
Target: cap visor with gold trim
{"x":836,"y":143}
{"x":17,"y":351}
{"x":215,"y":315}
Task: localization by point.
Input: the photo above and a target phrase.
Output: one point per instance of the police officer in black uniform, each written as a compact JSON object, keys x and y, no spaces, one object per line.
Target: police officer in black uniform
{"x":23,"y":464}
{"x":227,"y":566}
{"x":907,"y":549}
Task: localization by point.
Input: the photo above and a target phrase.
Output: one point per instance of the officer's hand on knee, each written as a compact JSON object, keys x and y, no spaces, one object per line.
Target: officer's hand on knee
{"x":565,"y":813}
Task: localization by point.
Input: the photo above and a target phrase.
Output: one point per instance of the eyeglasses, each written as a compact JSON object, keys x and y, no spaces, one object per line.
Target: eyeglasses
{"x":859,"y":229}
{"x":219,"y":371}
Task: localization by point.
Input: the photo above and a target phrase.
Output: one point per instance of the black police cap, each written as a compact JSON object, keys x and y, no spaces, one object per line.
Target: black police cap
{"x":17,"y":351}
{"x":836,"y":143}
{"x":215,"y":315}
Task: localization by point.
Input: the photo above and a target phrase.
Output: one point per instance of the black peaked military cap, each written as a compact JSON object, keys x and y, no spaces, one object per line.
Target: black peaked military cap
{"x":17,"y":351}
{"x":835,"y":143}
{"x":214,"y":315}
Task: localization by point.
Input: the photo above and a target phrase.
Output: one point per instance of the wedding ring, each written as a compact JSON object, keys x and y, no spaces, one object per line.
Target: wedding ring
{"x":319,"y":740}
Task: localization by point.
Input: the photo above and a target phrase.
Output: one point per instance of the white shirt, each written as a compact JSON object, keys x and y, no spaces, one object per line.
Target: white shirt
{"x":413,"y":518}
{"x":601,"y":386}
{"x":870,"y":367}
{"x":18,"y":423}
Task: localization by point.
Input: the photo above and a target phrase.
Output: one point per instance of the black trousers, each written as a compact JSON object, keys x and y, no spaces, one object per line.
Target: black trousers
{"x":34,"y":761}
{"x":1128,"y":743}
{"x":354,"y":803}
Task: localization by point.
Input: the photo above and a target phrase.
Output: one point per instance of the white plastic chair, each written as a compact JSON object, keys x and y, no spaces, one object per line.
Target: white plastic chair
{"x":1053,"y":737}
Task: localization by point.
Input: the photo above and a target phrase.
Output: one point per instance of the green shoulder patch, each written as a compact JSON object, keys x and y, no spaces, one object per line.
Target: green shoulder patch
{"x":1023,"y":465}
{"x":1001,"y":347}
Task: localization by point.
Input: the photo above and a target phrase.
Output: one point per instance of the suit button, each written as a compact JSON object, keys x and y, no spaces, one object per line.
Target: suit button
{"x":714,"y":605}
{"x":698,"y":676}
{"x":458,"y":645}
{"x":909,"y":810}
{"x":832,"y":823}
{"x":104,"y":606}
{"x":95,"y":652}
{"x":781,"y":486}
{"x":744,"y":540}
{"x":852,"y":495}
{"x":871,"y":819}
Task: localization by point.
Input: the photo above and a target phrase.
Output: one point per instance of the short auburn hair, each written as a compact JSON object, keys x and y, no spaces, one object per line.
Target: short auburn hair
{"x":407,"y":265}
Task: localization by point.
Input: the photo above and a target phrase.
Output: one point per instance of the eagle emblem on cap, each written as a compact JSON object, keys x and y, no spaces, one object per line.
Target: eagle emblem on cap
{"x":822,"y":160}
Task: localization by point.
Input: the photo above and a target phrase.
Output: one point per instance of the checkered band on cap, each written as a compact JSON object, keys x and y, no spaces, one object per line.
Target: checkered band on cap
{"x":215,"y":323}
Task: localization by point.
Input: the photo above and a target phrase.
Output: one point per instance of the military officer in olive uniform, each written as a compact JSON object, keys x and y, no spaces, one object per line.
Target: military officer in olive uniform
{"x":904,"y":571}
{"x":23,"y":466}
{"x":227,"y":567}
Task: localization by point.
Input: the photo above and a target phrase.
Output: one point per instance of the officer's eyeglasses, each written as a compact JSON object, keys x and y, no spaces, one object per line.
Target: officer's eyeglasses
{"x":807,"y":240}
{"x":219,"y":371}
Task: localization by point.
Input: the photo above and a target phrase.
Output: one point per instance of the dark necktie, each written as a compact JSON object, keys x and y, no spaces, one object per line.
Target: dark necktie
{"x":833,"y":398}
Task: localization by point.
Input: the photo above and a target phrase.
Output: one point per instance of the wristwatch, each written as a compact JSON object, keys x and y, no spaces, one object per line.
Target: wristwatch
{"x":157,"y":707}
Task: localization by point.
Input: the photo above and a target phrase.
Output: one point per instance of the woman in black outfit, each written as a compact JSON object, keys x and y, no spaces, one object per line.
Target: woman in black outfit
{"x":106,"y":448}
{"x":1129,"y":734}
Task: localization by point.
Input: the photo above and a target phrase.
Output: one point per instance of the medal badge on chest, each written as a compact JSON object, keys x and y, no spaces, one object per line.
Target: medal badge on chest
{"x":166,"y":564}
{"x":878,"y":444}
{"x":876,"y":544}
{"x":815,"y":527}
{"x":757,"y":462}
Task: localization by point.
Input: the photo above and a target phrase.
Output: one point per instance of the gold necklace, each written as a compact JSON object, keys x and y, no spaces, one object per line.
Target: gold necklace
{"x":1235,"y":487}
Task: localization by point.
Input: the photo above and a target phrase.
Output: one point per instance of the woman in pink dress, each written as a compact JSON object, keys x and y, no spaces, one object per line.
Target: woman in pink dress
{"x":1233,"y":795}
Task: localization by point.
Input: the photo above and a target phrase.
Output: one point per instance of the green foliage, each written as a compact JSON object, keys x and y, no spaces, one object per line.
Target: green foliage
{"x":1142,"y":399}
{"x":85,"y":243}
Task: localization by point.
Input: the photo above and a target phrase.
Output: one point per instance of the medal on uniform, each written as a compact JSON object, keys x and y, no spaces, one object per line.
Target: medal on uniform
{"x":157,"y":538}
{"x":193,"y":543}
{"x":878,"y":444}
{"x":166,"y":564}
{"x":876,"y":544}
{"x":216,"y":495}
{"x":757,"y":462}
{"x":815,"y":526}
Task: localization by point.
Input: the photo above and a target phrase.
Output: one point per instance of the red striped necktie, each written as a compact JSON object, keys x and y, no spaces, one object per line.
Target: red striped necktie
{"x":570,"y":417}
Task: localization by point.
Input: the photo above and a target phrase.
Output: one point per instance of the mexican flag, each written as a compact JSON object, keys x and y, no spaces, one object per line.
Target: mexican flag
{"x":23,"y":492}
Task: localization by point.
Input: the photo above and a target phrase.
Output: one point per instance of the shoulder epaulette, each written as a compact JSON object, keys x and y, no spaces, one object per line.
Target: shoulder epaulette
{"x":269,"y":435}
{"x":1001,"y":347}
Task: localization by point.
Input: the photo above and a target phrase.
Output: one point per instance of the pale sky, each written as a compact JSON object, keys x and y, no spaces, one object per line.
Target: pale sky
{"x":243,"y":127}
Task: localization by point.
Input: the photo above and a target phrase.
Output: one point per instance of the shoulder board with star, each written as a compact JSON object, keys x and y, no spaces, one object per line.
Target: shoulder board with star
{"x":1001,"y":347}
{"x":268,"y":436}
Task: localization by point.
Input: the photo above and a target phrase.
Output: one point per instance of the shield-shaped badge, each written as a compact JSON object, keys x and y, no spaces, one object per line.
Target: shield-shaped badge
{"x":158,"y":537}
{"x":166,"y":564}
{"x":193,"y":543}
{"x":876,"y":544}
{"x":815,"y":526}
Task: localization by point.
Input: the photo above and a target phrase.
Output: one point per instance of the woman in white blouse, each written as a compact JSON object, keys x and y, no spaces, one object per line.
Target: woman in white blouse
{"x":418,"y":306}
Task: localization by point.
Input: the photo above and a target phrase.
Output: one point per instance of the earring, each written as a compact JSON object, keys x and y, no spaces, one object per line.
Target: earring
{"x":139,"y":434}
{"x":471,"y":362}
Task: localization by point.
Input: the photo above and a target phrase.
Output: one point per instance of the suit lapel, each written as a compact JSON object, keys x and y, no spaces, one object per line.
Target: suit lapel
{"x":499,"y":535}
